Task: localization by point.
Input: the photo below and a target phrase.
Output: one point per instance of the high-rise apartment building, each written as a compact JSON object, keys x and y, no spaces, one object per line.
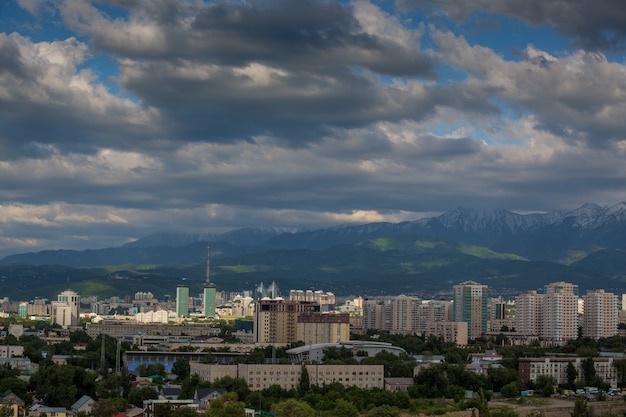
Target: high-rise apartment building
{"x":377,"y":314}
{"x":405,"y":314}
{"x":600,"y":314}
{"x":528,"y":313}
{"x":276,"y":321}
{"x":182,"y":301}
{"x":560,"y":313}
{"x":470,"y":305}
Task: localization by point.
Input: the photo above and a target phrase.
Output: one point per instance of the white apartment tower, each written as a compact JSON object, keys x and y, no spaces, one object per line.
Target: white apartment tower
{"x":405,"y":314}
{"x":528,"y":314}
{"x":600,"y":316}
{"x":560,"y":313}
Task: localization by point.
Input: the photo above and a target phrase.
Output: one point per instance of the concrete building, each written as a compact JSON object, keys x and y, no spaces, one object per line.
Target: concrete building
{"x":531,"y":368}
{"x":182,"y":301}
{"x":560,"y":313}
{"x":358,"y":348}
{"x":118,"y":329}
{"x":405,"y":314}
{"x":451,"y":331}
{"x":600,"y":314}
{"x":242,"y":306}
{"x":317,"y":327}
{"x":377,"y":314}
{"x":528,"y":313}
{"x":263,"y":376}
{"x":65,"y":311}
{"x":470,"y":305}
{"x":209,"y":300}
{"x":276,"y":320}
{"x":326,"y":300}
{"x":434,"y":310}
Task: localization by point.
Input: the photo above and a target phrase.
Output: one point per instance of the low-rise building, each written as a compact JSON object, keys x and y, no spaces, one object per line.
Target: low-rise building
{"x":263,"y":376}
{"x":531,"y":368}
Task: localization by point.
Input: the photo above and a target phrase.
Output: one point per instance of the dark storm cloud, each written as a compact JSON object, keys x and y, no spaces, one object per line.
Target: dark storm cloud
{"x":303,"y":34}
{"x":590,"y":24}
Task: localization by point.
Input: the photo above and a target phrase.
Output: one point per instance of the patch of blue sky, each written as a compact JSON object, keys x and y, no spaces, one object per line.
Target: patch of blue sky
{"x":45,"y":26}
{"x":104,"y":67}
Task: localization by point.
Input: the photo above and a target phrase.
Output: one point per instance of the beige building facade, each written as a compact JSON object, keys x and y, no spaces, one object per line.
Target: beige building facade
{"x":263,"y":376}
{"x":600,"y":314}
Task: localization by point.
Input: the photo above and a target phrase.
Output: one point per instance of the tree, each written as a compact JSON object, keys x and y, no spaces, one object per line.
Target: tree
{"x":572,"y":374}
{"x":345,"y":408}
{"x":545,"y":384}
{"x":184,"y":412}
{"x":6,"y":410}
{"x":510,"y":390}
{"x":226,"y":406}
{"x":589,"y":369}
{"x":305,"y":383}
{"x":152,"y":369}
{"x":112,"y":385}
{"x":293,"y":408}
{"x":163,"y":409}
{"x":384,"y":411}
{"x":181,"y":369}
{"x":483,"y":404}
{"x":108,"y":406}
{"x":61,"y":386}
{"x":137,"y":395}
{"x":580,"y":407}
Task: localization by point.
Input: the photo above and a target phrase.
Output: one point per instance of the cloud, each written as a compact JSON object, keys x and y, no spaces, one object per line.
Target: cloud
{"x":172,"y":115}
{"x":590,"y":24}
{"x":579,"y":96}
{"x":46,"y":97}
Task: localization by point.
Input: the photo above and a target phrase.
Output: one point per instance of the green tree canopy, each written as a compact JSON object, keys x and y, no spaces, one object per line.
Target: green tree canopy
{"x":293,"y":408}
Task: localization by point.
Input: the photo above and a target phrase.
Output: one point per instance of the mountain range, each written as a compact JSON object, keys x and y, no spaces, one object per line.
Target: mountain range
{"x":507,"y":250}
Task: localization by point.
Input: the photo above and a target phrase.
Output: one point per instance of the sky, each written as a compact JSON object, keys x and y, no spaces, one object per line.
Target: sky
{"x":124,"y":118}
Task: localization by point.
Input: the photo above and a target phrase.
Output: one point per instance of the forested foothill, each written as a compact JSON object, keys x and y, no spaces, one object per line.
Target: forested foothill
{"x":438,"y":388}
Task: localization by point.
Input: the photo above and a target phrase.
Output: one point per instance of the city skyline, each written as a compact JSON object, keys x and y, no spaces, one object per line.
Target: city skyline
{"x":119,"y":120}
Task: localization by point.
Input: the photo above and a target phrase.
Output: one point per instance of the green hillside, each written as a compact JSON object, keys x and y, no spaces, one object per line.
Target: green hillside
{"x":402,"y":264}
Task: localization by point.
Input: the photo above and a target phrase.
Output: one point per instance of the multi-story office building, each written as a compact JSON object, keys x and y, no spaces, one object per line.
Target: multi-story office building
{"x":470,"y":306}
{"x":528,"y":313}
{"x":22,"y":310}
{"x":276,"y":320}
{"x":209,"y":300}
{"x":65,"y":311}
{"x":560,"y":313}
{"x":182,"y":301}
{"x":600,"y":314}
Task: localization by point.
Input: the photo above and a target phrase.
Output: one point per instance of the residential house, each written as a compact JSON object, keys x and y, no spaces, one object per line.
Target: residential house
{"x":204,"y":396}
{"x":84,"y":404}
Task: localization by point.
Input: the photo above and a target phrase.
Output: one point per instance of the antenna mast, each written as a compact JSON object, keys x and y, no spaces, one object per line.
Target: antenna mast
{"x":208,"y":262}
